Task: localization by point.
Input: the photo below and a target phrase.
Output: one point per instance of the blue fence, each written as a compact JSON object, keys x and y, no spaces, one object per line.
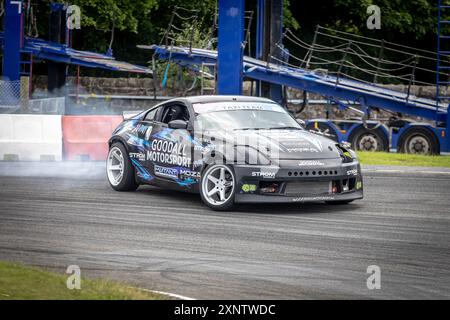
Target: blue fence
{"x":9,"y":93}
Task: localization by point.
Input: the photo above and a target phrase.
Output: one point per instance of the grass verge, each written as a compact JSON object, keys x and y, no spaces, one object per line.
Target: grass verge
{"x":402,"y":159}
{"x":18,"y":282}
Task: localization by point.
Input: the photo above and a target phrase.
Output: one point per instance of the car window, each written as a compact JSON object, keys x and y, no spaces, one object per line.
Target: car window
{"x":243,"y":116}
{"x":175,"y":112}
{"x":151,"y":115}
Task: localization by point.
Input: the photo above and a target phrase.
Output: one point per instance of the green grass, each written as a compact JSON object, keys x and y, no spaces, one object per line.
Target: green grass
{"x":401,"y":159}
{"x":18,"y":282}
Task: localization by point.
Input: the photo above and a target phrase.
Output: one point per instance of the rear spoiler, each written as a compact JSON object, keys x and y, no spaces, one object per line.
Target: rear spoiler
{"x":130,"y":114}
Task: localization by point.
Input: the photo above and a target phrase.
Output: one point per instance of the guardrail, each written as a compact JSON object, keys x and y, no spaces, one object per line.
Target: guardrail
{"x":47,"y":106}
{"x":9,"y":93}
{"x":30,"y":137}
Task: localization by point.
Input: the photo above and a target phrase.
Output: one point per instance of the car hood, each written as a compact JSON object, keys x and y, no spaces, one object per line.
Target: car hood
{"x":286,"y":143}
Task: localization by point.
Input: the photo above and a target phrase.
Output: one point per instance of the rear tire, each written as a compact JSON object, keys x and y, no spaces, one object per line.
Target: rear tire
{"x":419,"y":141}
{"x":218,"y":187}
{"x":363,"y":139}
{"x":119,"y":170}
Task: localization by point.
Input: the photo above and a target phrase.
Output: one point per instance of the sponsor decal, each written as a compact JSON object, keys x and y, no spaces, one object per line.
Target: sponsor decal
{"x":264,"y":174}
{"x":189,"y":173}
{"x":166,"y":172}
{"x":184,"y":177}
{"x":204,"y":149}
{"x":295,"y":143}
{"x":137,"y":155}
{"x":301,"y":144}
{"x":249,"y":188}
{"x":302,"y":150}
{"x":243,"y":107}
{"x":303,"y":199}
{"x":166,"y":158}
{"x":168,"y":146}
{"x":311,"y":163}
{"x":227,"y":106}
{"x":353,"y":172}
{"x":168,"y":152}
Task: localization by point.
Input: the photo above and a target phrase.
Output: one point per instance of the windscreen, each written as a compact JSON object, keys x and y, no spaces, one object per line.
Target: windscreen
{"x":243,"y":116}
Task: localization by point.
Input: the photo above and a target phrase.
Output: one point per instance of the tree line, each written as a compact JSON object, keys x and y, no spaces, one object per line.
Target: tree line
{"x":411,"y":22}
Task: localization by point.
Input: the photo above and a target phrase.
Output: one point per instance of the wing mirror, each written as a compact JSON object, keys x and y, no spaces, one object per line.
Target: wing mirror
{"x":178,"y":124}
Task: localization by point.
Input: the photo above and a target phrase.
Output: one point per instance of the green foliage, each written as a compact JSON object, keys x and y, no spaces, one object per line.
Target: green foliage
{"x":402,"y":159}
{"x":413,"y":17}
{"x":410,"y":22}
{"x":288,"y":18}
{"x":401,"y":21}
{"x":146,"y":18}
{"x":126,"y":14}
{"x":19,"y":282}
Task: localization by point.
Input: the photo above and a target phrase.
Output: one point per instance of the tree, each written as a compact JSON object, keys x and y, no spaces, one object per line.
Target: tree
{"x":402,"y":21}
{"x":133,"y":22}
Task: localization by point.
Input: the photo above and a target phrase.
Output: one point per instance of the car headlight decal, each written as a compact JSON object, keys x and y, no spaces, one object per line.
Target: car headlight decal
{"x":347,"y":155}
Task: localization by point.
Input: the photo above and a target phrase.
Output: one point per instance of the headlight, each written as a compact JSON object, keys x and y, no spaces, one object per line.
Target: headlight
{"x":347,"y":154}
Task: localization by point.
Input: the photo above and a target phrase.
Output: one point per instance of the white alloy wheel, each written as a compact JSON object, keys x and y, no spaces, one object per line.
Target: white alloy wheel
{"x":218,"y":185}
{"x":115,"y":166}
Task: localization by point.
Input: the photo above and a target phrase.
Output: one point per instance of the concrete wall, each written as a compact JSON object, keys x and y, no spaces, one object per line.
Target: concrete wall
{"x":144,"y":87}
{"x":114,"y":86}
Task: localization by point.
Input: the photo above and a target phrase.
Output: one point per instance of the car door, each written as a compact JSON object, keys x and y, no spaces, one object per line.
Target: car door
{"x":170,"y":152}
{"x":139,"y":142}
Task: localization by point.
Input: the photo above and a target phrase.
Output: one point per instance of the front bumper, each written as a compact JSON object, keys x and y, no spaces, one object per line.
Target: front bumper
{"x":299,"y":181}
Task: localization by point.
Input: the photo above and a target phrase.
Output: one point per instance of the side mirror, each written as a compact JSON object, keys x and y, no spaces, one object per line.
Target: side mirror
{"x":178,"y":124}
{"x":301,"y":122}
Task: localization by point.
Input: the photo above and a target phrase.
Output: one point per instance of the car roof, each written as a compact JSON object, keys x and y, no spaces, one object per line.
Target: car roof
{"x":224,"y":98}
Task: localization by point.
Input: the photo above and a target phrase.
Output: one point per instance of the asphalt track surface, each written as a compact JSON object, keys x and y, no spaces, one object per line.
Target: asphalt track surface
{"x":169,"y":241}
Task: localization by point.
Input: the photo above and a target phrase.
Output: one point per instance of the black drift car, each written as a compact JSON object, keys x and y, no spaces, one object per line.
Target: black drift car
{"x":231,"y":149}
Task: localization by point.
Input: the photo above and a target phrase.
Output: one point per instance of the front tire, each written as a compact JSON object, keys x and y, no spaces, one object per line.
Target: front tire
{"x":119,"y":170}
{"x":218,"y":187}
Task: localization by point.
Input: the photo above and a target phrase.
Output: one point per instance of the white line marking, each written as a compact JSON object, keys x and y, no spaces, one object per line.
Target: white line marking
{"x":405,"y":171}
{"x":172,"y":295}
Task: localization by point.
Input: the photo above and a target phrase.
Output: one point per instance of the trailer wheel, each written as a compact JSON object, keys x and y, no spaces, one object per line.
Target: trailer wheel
{"x":324,"y":128}
{"x":369,"y":140}
{"x":419,"y":140}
